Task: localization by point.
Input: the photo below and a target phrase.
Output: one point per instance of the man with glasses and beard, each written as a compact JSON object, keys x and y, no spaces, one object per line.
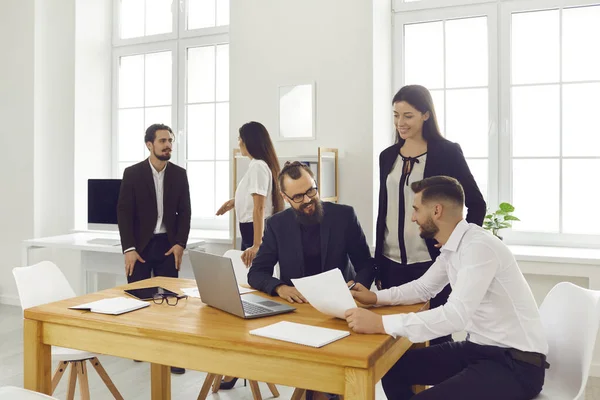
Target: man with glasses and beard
{"x":154,"y":212}
{"x":308,"y":238}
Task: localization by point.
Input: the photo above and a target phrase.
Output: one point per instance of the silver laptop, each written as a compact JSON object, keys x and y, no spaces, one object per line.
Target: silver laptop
{"x":218,"y":288}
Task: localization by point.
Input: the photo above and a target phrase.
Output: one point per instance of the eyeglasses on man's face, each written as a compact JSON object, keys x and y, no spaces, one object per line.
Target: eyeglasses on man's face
{"x":299,"y":198}
{"x":171,"y":300}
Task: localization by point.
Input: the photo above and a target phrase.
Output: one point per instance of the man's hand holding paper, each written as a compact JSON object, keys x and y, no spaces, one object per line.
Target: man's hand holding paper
{"x":327,"y":292}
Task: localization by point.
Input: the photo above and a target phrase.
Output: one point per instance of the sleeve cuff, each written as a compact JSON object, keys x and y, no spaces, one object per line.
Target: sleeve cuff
{"x":258,"y":191}
{"x":393,"y":325}
{"x":384,"y":297}
{"x":128,"y":250}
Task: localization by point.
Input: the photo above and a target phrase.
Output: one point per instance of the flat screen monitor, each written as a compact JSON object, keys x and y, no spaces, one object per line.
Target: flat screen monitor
{"x":103,"y":195}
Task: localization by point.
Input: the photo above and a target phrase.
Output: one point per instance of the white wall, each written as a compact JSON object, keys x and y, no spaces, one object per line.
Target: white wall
{"x":93,"y":86}
{"x":282,"y":42}
{"x":54,"y":104}
{"x":16,"y":110}
{"x":39,"y":108}
{"x":382,"y":90}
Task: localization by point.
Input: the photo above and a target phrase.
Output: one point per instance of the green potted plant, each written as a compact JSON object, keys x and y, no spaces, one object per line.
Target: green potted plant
{"x":500,"y":219}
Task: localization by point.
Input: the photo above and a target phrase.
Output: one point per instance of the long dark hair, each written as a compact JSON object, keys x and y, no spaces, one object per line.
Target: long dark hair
{"x":259,"y":145}
{"x":419,"y":97}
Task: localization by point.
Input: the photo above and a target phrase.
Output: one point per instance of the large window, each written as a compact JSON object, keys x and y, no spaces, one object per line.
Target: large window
{"x":523,"y":112}
{"x":171,"y":66}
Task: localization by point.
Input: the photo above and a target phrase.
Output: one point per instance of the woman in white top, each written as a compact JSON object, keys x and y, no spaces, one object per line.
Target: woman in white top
{"x":401,"y":253}
{"x":256,"y":197}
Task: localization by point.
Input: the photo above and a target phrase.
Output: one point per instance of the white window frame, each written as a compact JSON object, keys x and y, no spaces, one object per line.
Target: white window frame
{"x":184,"y":44}
{"x":469,"y":11}
{"x":117,"y":41}
{"x":177,"y":42}
{"x":521,"y":237}
{"x":500,"y":161}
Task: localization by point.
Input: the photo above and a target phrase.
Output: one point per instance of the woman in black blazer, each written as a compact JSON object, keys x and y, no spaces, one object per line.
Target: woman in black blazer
{"x":420,"y":151}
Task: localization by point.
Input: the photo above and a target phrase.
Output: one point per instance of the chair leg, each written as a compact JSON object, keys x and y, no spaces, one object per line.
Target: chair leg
{"x":105,"y":378}
{"x":273,"y":389}
{"x":82,"y":377}
{"x":72,"y":380}
{"x":60,"y":371}
{"x":206,"y":386}
{"x":255,"y":390}
{"x":217,"y":383}
{"x":298,"y":394}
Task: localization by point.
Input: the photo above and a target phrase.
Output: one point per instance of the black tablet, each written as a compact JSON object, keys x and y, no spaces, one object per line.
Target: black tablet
{"x":149,"y":292}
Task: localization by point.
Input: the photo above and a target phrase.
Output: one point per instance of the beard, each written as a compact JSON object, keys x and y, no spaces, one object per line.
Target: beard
{"x":428,"y":229}
{"x":163,"y":157}
{"x":310,"y":219}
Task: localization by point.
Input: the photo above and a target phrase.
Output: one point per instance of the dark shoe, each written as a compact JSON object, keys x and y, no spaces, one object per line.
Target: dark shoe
{"x":226,"y":385}
{"x":177,"y":370}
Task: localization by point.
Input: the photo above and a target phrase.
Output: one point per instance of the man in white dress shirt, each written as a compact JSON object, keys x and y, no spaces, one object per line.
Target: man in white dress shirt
{"x":504,"y":355}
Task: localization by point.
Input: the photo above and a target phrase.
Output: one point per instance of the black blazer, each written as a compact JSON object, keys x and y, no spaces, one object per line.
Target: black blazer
{"x":137,"y":210}
{"x":443,"y":158}
{"x":342,"y":238}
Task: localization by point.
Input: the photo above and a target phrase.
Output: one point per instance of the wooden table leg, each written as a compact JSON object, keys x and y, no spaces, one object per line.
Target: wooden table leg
{"x":360,"y":384}
{"x":37,"y":359}
{"x":161,"y":382}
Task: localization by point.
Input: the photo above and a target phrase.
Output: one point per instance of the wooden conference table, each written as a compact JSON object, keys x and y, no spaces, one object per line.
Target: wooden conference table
{"x":194,"y":336}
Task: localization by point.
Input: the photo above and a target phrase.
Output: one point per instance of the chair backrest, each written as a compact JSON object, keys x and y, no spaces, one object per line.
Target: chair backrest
{"x":241,"y":272}
{"x":15,"y":393}
{"x":41,"y":283}
{"x":570,"y":315}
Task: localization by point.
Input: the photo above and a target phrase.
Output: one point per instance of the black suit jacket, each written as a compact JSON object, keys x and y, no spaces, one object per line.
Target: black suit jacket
{"x":443,"y":158}
{"x":342,"y":238}
{"x":137,"y":209}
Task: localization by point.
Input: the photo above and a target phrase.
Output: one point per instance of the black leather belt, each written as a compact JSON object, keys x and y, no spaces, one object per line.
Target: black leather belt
{"x":537,"y":359}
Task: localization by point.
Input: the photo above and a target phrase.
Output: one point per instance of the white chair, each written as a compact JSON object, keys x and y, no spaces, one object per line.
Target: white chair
{"x":570,"y":315}
{"x":241,"y":271}
{"x":45,"y":283}
{"x":15,"y":393}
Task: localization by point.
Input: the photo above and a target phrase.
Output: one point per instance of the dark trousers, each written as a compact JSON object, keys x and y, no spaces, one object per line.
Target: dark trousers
{"x":463,"y":371}
{"x":157,"y":264}
{"x":247,"y":231}
{"x":393,"y":274}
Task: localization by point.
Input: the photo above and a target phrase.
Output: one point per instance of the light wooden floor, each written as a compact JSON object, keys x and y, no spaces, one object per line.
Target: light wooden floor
{"x":132,"y":379}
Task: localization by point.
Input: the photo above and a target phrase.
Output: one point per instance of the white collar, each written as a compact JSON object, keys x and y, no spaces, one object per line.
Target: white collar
{"x":456,"y":236}
{"x":154,"y":171}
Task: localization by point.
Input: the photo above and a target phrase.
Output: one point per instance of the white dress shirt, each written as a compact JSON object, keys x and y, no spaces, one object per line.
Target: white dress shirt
{"x":258,"y":179}
{"x":416,"y":249}
{"x":159,"y":186}
{"x":490,"y":298}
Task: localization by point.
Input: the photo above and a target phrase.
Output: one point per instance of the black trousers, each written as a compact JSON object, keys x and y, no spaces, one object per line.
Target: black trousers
{"x":247,"y":231}
{"x":463,"y":371}
{"x":157,"y":264}
{"x":393,"y":274}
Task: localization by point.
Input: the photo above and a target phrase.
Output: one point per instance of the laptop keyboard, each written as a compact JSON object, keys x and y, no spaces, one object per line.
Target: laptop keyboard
{"x":253,"y":309}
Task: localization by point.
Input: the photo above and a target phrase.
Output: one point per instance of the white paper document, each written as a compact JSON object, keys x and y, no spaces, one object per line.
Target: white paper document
{"x":307,"y":335}
{"x":193,"y":292}
{"x":327,"y":292}
{"x":114,"y":306}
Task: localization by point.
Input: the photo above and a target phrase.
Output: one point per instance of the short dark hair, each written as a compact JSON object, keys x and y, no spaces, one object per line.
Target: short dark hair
{"x":293,"y":169}
{"x":151,"y":132}
{"x":438,"y":188}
